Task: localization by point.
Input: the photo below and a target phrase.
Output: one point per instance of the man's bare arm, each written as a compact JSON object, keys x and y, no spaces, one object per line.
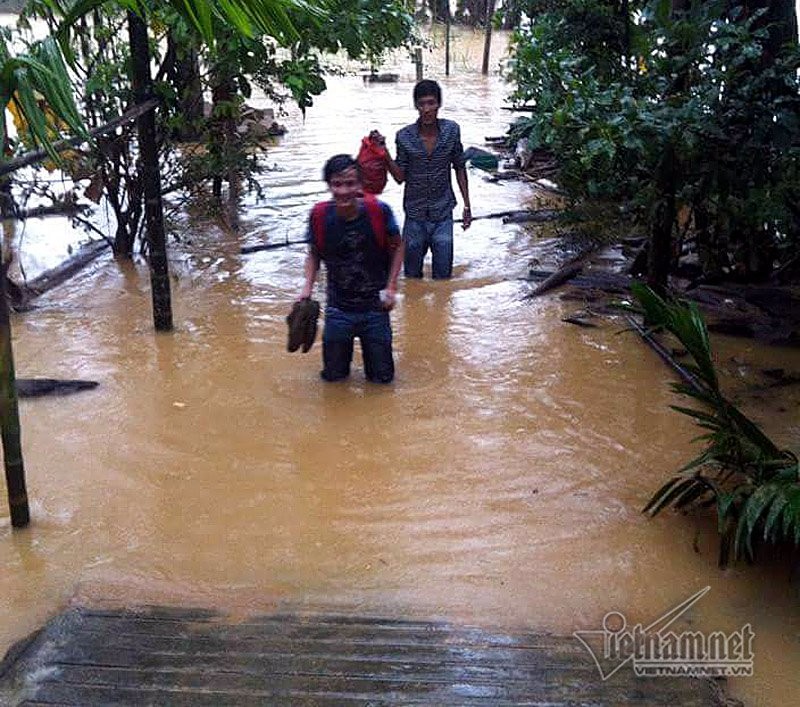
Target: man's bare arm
{"x":394,"y":271}
{"x":395,"y":170}
{"x":310,"y":270}
{"x":463,"y":187}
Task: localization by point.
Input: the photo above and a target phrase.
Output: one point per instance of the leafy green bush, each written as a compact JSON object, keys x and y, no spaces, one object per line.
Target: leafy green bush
{"x":610,"y":96}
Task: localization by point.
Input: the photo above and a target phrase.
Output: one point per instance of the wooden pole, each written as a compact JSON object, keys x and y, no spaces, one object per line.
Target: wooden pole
{"x":447,"y":39}
{"x":418,"y":62}
{"x":487,"y":44}
{"x":151,"y":178}
{"x":9,"y":418}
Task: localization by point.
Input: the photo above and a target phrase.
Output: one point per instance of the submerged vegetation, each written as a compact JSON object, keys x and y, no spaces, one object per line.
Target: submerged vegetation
{"x":753,"y":485}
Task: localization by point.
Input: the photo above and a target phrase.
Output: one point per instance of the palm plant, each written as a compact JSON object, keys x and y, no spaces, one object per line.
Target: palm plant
{"x":34,"y":82}
{"x":754,"y":485}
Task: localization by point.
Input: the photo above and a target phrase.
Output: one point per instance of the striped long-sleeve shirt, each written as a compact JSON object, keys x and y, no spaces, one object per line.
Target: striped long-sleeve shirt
{"x":428,"y":194}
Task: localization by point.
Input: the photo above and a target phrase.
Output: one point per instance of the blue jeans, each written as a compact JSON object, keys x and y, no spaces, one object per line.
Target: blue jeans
{"x":375,"y":332}
{"x":421,"y":235}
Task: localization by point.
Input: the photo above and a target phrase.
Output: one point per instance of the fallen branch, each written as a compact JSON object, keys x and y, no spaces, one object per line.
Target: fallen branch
{"x":532,"y":216}
{"x":88,"y":224}
{"x":547,"y":187}
{"x":63,"y":209}
{"x":565,"y":273}
{"x":55,"y":276}
{"x":579,"y":321}
{"x":269,"y":246}
{"x":518,"y":216}
{"x":39,"y":387}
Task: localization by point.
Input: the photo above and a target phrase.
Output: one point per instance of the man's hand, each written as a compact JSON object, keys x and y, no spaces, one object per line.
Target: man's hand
{"x":388,"y":298}
{"x":376,"y":137}
{"x":466,"y":218}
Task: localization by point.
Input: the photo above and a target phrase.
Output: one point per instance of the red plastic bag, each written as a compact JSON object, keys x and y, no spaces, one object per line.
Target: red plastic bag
{"x":372,"y":161}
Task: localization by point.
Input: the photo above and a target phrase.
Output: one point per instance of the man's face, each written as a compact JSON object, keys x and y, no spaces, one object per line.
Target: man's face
{"x":345,"y":187}
{"x":428,"y":108}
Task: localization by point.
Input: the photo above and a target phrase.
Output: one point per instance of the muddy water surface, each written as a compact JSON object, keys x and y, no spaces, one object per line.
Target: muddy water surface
{"x":498,"y":482}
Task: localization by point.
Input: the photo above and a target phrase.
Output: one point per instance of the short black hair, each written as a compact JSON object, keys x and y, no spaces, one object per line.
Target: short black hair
{"x":427,"y":87}
{"x":336,"y":164}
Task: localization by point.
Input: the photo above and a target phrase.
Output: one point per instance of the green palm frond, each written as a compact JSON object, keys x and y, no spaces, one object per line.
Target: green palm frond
{"x":754,"y":484}
{"x":247,"y":17}
{"x":37,"y":81}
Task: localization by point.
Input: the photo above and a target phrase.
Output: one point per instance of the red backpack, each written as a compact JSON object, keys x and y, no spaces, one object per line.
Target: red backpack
{"x":322,"y":210}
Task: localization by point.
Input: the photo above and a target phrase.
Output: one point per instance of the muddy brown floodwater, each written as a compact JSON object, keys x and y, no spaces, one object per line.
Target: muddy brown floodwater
{"x":498,"y":482}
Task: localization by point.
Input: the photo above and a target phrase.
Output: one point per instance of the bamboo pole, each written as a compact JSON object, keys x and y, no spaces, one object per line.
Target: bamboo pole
{"x":151,"y":178}
{"x":9,"y":418}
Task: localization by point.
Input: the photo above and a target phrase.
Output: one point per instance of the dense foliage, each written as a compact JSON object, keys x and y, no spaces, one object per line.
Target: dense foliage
{"x":690,"y":112}
{"x":200,"y":49}
{"x":753,"y":485}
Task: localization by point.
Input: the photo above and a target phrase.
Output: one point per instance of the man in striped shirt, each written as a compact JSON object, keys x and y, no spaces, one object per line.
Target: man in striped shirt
{"x":426,"y":152}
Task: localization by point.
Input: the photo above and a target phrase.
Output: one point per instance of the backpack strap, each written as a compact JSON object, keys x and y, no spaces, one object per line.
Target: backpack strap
{"x":319,"y":215}
{"x":377,"y":220}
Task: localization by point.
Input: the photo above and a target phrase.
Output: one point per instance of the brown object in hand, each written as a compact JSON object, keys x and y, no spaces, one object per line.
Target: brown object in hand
{"x":302,"y":321}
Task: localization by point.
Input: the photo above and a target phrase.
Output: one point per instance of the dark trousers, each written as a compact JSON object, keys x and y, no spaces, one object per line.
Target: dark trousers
{"x":421,"y":235}
{"x":375,"y":332}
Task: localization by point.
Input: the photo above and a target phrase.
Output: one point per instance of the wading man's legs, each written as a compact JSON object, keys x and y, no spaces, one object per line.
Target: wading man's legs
{"x":415,"y":235}
{"x":337,"y":344}
{"x":376,"y":347}
{"x":442,"y":249}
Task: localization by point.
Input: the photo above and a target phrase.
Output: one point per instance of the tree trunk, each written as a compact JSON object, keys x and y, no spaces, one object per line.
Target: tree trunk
{"x":9,"y":418}
{"x":626,"y":34}
{"x":438,"y":10}
{"x":780,"y":22}
{"x":512,"y":14}
{"x":224,"y":141}
{"x":659,"y":253}
{"x":151,"y":179}
{"x":471,"y":12}
{"x":487,"y":44}
{"x":7,"y":205}
{"x":447,"y":42}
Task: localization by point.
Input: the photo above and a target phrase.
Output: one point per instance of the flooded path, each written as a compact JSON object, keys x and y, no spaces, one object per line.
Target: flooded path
{"x":498,"y":482}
